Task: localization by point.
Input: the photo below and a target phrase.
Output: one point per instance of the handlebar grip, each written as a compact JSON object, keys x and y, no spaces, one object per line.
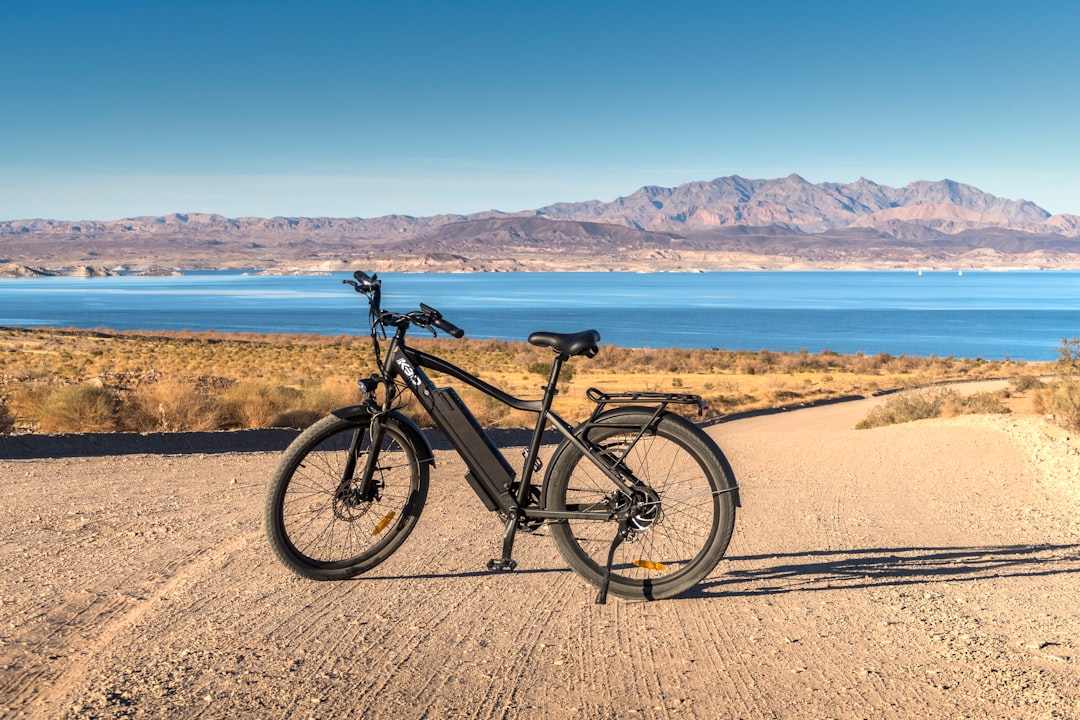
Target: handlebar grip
{"x":449,"y":328}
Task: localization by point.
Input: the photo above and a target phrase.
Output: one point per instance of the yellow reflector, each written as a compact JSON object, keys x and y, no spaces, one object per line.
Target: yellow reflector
{"x":650,"y":565}
{"x":383,"y":523}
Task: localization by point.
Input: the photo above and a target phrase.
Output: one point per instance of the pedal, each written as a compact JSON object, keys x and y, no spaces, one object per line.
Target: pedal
{"x":500,"y":565}
{"x":537,"y":462}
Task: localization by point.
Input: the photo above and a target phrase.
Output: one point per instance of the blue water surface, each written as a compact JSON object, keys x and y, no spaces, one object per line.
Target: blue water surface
{"x":993,"y":315}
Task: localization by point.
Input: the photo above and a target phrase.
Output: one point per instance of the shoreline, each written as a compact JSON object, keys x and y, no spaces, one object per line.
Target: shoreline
{"x":39,"y":270}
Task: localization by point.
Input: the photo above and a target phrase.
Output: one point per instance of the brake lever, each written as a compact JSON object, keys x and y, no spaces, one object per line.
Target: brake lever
{"x":440,"y":322}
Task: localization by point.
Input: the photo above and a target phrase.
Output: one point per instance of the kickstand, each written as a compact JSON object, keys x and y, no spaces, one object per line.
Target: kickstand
{"x":506,"y":563}
{"x":601,"y":597}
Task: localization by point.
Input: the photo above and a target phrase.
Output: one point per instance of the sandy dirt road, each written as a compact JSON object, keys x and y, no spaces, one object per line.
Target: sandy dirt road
{"x":926,"y":570}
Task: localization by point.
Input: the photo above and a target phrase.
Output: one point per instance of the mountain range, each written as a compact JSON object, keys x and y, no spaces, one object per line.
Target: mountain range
{"x":726,"y":223}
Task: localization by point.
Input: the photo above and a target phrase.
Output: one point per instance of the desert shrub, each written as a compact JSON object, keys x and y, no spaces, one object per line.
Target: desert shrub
{"x":78,"y":408}
{"x":780,"y":396}
{"x":1042,"y":400}
{"x":253,"y":404}
{"x":543,"y":369}
{"x":26,"y":398}
{"x":1068,"y":362}
{"x":1064,"y":400}
{"x":980,"y":403}
{"x":732,"y":400}
{"x":907,"y":406}
{"x":1023,"y":383}
{"x":316,"y":401}
{"x":1061,"y":401}
{"x":328,"y":395}
{"x":7,"y":420}
{"x":746,"y":366}
{"x":1068,"y":404}
{"x":171,"y":404}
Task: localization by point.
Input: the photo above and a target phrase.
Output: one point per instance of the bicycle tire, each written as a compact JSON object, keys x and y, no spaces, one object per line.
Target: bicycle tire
{"x":683,"y":542}
{"x":315,"y":527}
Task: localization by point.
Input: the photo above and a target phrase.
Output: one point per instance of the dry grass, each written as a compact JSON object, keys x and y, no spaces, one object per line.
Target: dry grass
{"x":1059,"y":398}
{"x":254,"y":403}
{"x":907,"y":406}
{"x":980,"y":403}
{"x":193,"y":380}
{"x":172,"y":404}
{"x":932,"y":402}
{"x":85,"y":407}
{"x":7,"y":420}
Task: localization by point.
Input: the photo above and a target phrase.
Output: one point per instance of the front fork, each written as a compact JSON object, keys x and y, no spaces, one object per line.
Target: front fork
{"x":367,"y":489}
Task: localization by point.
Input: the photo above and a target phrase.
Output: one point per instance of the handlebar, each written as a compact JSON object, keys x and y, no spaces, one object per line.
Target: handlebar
{"x":428,"y":317}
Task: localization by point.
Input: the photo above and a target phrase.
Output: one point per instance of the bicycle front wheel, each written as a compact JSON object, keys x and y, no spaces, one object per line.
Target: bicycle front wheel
{"x":685,"y":513}
{"x":319,"y":522}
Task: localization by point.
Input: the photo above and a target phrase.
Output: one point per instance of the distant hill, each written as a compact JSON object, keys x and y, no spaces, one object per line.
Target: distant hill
{"x":729,"y":222}
{"x":795,"y":204}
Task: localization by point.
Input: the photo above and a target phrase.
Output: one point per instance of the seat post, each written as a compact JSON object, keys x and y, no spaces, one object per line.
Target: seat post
{"x":550,"y":391}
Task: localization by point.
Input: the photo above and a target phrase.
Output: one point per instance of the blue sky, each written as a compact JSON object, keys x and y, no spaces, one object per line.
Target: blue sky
{"x":118,"y":108}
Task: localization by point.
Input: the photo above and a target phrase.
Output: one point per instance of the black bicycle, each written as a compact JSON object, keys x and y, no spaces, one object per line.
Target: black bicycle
{"x":638,"y":499}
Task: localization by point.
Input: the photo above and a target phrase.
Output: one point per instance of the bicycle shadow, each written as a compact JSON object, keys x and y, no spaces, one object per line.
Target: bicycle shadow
{"x":833,"y":570}
{"x":463,"y":574}
{"x":825,"y":570}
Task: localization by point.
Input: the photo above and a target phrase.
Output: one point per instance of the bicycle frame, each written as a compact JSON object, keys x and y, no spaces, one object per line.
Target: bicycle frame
{"x":482,"y":455}
{"x":409,"y":363}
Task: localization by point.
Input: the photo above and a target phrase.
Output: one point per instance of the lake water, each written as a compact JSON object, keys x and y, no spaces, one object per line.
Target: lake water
{"x":993,"y":315}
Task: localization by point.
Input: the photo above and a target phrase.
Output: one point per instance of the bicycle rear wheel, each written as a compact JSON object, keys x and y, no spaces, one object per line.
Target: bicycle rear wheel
{"x":315,"y":518}
{"x":686,"y":508}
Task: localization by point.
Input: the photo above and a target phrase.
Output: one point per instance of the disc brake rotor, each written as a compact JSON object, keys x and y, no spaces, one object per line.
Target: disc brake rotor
{"x":347,"y":504}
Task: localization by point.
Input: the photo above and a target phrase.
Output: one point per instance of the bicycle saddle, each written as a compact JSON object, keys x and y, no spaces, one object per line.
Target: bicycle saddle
{"x":568,"y":344}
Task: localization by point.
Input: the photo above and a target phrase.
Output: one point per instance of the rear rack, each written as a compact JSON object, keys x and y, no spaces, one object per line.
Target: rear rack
{"x":651,"y":398}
